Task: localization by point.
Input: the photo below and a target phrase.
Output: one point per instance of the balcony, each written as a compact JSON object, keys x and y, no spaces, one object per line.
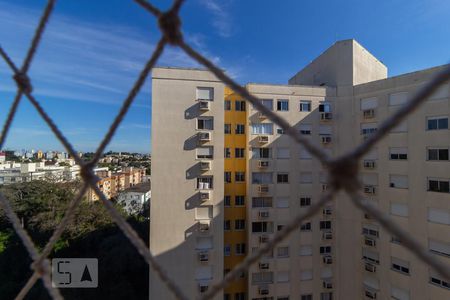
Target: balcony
{"x":264,"y":214}
{"x":369,"y":164}
{"x":326,"y":116}
{"x":368,"y":113}
{"x":327,"y":259}
{"x":261,"y":116}
{"x":205,"y":196}
{"x":263,"y":188}
{"x":327,"y":235}
{"x":205,"y":165}
{"x":263,"y":164}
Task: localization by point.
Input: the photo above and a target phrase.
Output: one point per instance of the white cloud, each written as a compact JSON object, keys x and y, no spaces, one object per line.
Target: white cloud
{"x":221,"y":17}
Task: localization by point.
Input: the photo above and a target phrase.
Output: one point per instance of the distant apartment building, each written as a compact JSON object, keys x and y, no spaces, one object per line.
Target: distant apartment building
{"x":225,"y":179}
{"x":2,"y":157}
{"x":135,"y":198}
{"x":111,"y":184}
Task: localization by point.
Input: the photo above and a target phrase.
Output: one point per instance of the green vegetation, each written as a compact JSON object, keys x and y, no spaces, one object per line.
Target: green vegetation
{"x":40,"y":206}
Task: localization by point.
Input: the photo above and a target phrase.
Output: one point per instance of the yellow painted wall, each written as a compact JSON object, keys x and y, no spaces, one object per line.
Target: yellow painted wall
{"x":232,"y":189}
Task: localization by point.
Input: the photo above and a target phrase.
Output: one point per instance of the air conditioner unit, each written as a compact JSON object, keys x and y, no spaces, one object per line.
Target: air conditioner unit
{"x":205,"y":165}
{"x":264,"y":266}
{"x":327,"y":259}
{"x":368,"y":113}
{"x":263,"y":214}
{"x":369,"y":189}
{"x":263,"y":188}
{"x":203,"y":226}
{"x":327,"y":235}
{"x":263,"y":290}
{"x":370,"y":242}
{"x":327,"y":284}
{"x":205,"y":196}
{"x":203,"y":256}
{"x":261,"y":115}
{"x":263,"y":239}
{"x":326,"y":140}
{"x":370,"y":294}
{"x":204,"y":136}
{"x":203,"y":288}
{"x":369,"y":164}
{"x":263,"y":139}
{"x":263,"y":164}
{"x":326,"y":116}
{"x":370,"y":267}
{"x":204,"y":105}
{"x":327,"y":211}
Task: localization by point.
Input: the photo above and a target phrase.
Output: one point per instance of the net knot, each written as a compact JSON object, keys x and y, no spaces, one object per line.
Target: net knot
{"x":344,"y":173}
{"x":170,"y":24}
{"x":23,"y":82}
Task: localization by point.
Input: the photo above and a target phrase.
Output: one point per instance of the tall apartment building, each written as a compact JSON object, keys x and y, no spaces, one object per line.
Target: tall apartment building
{"x":225,"y":179}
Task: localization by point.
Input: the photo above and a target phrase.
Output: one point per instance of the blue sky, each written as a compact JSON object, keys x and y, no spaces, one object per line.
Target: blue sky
{"x":92,"y":52}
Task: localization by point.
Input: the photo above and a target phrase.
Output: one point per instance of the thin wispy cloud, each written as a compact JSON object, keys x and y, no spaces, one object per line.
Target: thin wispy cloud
{"x":222,"y":19}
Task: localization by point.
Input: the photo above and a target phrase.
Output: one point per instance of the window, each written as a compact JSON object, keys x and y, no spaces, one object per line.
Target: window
{"x":306,"y":250}
{"x":370,"y":256}
{"x":284,"y":297}
{"x":369,"y":103}
{"x":205,"y":123}
{"x":282,"y":178}
{"x":325,"y":250}
{"x":437,"y":123}
{"x":325,"y":225}
{"x":226,"y":225}
{"x":326,"y":296}
{"x":239,"y":200}
{"x":325,"y":107}
{"x":262,"y":227}
{"x":440,"y":216}
{"x":268,"y":103}
{"x":239,"y":176}
{"x":402,"y":127}
{"x":205,"y":182}
{"x":398,"y":98}
{"x":226,"y":296}
{"x":398,"y":181}
{"x":283,"y":252}
{"x":227,"y":152}
{"x":205,"y":93}
{"x":438,"y":185}
{"x":283,"y":153}
{"x":398,"y":153}
{"x":437,"y":153}
{"x":227,"y":176}
{"x":282,"y":202}
{"x":283,"y":105}
{"x":399,"y":294}
{"x":305,"y":177}
{"x":306,"y":297}
{"x":240,"y":129}
{"x":262,"y":178}
{"x":440,"y":248}
{"x":261,"y":153}
{"x":261,"y":202}
{"x":305,"y":201}
{"x":306,"y":275}
{"x":239,"y":296}
{"x":280,"y":227}
{"x":370,"y":230}
{"x":239,"y":152}
{"x":240,"y":249}
{"x":227,"y":250}
{"x":305,"y":129}
{"x":305,"y":226}
{"x":205,"y":152}
{"x":227,"y":201}
{"x":399,"y":209}
{"x":227,"y":128}
{"x":262,"y":277}
{"x":400,"y":265}
{"x":239,"y":224}
{"x":280,"y":131}
{"x":239,"y":105}
{"x":305,"y":105}
{"x":262,"y":128}
{"x":227,"y":105}
{"x":434,"y":279}
{"x":368,"y":128}
{"x":441,"y":93}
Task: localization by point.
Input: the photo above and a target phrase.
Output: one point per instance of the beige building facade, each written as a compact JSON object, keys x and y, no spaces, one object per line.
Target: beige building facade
{"x":337,"y":101}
